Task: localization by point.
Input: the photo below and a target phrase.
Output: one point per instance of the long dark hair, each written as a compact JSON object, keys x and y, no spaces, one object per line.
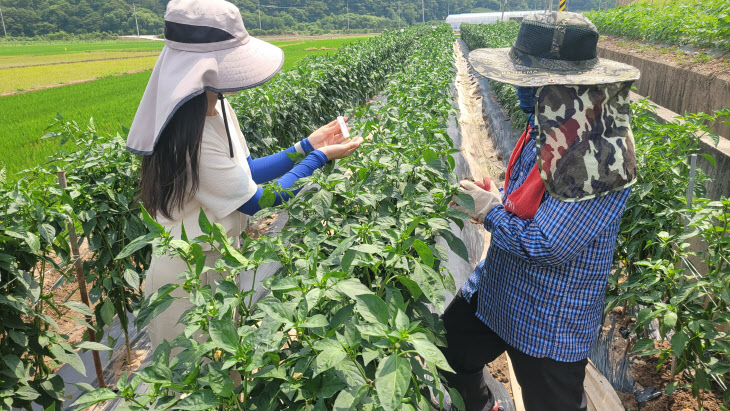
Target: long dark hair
{"x":165,"y":178}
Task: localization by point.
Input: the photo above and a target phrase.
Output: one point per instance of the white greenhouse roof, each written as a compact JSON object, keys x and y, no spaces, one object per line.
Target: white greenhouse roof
{"x":455,"y":20}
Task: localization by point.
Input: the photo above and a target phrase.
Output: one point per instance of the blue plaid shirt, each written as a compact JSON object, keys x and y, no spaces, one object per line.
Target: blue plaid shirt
{"x":541,"y":287}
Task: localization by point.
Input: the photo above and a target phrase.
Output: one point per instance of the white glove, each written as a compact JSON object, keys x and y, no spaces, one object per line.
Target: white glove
{"x":484,"y":200}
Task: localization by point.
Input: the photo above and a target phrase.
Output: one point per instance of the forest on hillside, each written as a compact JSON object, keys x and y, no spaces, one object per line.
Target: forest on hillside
{"x":28,"y":18}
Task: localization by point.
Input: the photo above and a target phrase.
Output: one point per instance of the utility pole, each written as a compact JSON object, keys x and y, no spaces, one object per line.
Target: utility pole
{"x":399,"y":14}
{"x":504,"y":6}
{"x":259,"y":8}
{"x":423,"y":11}
{"x":348,"y":15}
{"x":135,"y":17}
{"x":3,"y":20}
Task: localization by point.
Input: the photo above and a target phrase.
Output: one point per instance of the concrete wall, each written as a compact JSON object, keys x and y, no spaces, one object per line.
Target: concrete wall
{"x":675,"y":88}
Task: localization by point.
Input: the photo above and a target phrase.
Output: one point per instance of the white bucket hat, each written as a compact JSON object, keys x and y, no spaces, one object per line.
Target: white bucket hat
{"x":207,"y":47}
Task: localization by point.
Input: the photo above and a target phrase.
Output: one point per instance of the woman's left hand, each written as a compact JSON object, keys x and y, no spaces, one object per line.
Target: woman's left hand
{"x":327,"y":135}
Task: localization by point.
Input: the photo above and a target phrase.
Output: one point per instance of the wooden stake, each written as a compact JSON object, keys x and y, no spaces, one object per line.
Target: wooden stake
{"x":81,"y":280}
{"x":601,"y":395}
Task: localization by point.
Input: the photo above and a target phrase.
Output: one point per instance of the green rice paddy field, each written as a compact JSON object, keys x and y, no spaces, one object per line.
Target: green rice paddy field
{"x":111,"y":98}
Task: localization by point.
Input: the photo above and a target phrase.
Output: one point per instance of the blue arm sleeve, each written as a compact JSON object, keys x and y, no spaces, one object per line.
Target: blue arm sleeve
{"x":271,"y":167}
{"x":305,"y":168}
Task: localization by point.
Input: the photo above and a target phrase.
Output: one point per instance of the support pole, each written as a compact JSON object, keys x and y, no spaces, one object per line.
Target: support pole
{"x":690,"y":198}
{"x":79,"y":269}
{"x":135,"y":17}
{"x":423,"y":11}
{"x":259,"y":9}
{"x":3,"y":20}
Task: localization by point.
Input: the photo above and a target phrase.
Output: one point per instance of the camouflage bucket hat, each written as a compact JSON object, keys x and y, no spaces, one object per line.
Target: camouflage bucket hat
{"x":552,"y":48}
{"x":585,"y":147}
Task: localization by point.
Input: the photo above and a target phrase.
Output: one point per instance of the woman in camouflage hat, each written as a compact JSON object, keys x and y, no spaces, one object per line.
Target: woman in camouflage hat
{"x":539,"y":293}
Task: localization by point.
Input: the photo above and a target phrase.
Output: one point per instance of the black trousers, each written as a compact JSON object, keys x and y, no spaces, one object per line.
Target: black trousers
{"x":546,"y":384}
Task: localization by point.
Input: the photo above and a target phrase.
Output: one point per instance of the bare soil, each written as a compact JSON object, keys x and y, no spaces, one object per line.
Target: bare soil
{"x":120,"y":365}
{"x":500,"y":371}
{"x":261,"y":227}
{"x":644,"y":371}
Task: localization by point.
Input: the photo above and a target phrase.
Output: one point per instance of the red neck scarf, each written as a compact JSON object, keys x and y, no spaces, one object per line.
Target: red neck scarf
{"x":526,"y":199}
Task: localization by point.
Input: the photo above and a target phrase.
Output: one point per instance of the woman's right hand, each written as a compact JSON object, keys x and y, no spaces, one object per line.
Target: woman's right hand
{"x":342,"y":150}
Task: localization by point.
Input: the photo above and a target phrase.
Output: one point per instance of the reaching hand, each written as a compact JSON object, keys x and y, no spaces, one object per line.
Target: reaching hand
{"x":342,"y":150}
{"x":327,"y":135}
{"x":484,"y":200}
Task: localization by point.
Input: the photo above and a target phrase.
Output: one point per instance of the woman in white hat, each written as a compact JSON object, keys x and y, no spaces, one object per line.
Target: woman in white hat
{"x":195,"y":155}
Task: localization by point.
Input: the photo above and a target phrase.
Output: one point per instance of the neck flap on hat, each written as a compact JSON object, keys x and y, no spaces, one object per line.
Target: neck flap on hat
{"x":584,"y":140}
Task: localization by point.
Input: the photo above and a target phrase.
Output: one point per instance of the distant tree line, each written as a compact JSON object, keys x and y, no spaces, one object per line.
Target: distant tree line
{"x":28,"y":18}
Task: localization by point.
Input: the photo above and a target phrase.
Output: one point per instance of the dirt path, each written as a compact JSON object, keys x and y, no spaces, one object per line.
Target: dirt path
{"x":480,"y":154}
{"x":477,"y":147}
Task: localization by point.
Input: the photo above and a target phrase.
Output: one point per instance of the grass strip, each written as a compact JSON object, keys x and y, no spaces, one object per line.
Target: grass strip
{"x":112,"y":102}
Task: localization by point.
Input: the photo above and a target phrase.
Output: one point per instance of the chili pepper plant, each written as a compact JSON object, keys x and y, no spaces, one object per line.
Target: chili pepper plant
{"x":349,"y":323}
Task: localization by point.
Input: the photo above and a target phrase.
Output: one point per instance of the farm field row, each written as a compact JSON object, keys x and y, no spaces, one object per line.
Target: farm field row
{"x":28,"y":78}
{"x":701,"y":23}
{"x":112,"y":101}
{"x":65,"y":47}
{"x":7,"y":62}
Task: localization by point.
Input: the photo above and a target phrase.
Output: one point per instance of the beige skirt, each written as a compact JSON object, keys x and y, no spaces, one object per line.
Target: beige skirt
{"x":166,"y":270}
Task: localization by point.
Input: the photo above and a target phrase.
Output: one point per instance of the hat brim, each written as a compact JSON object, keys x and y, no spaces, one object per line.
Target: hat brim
{"x":244,"y":67}
{"x":180,"y":75}
{"x":497,"y":65}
